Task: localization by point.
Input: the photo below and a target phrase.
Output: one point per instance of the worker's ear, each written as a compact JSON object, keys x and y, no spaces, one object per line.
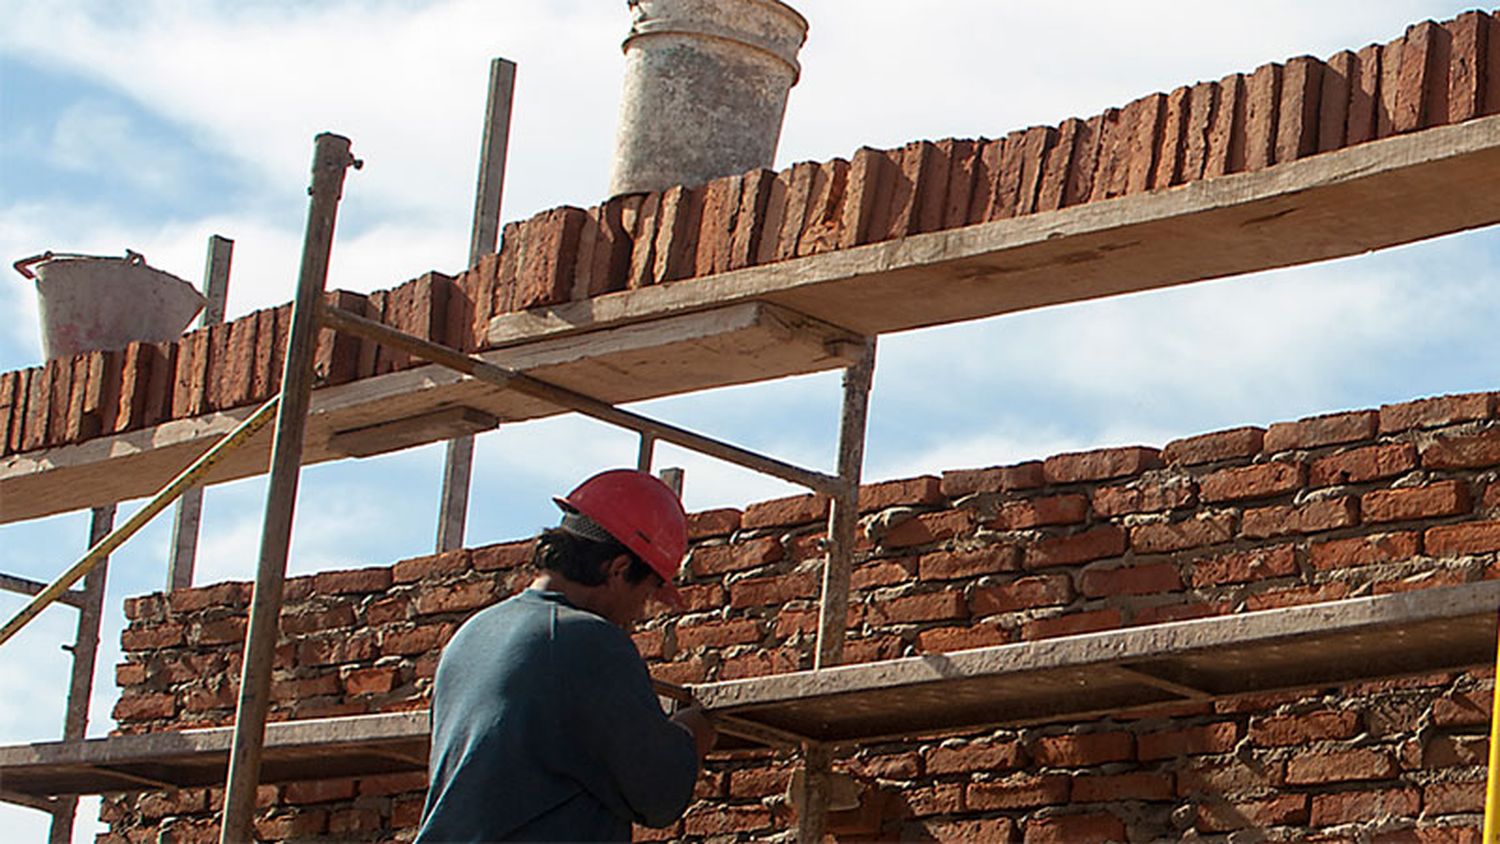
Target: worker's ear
{"x":617,"y":567}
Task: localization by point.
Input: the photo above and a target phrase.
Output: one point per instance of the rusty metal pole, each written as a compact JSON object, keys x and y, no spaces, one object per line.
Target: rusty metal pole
{"x":190,"y":506}
{"x":331,"y":161}
{"x":833,"y":610}
{"x":85,"y":655}
{"x":458,"y":467}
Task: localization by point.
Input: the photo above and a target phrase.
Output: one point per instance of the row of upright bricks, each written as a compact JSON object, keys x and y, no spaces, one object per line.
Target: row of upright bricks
{"x":1436,"y":74}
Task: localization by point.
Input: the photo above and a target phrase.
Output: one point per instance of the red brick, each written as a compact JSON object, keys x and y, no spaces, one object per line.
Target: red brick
{"x":718,"y":634}
{"x":1363,"y":550}
{"x":1080,"y":181}
{"x":1491,"y":502}
{"x":773,"y":590}
{"x":1219,"y":737}
{"x":692,"y":670}
{"x":821,"y":229}
{"x":748,"y":783}
{"x":962,"y":164}
{"x":957,"y":483}
{"x":1333,"y":111}
{"x":546,"y":255}
{"x":960,"y":832}
{"x":1055,"y":164}
{"x":369,"y":681}
{"x":949,"y":639}
{"x":910,"y":491}
{"x":426,"y":638}
{"x":1204,"y":529}
{"x":1242,"y":567}
{"x":882,"y":573}
{"x":795,"y":510}
{"x":1080,"y":750}
{"x":1259,"y":481}
{"x":974,"y":757}
{"x":709,"y":560}
{"x":1467,"y":46}
{"x":1316,"y":431}
{"x":708,"y":523}
{"x":301,"y":688}
{"x":1177,"y":612}
{"x":1067,"y":829}
{"x":1436,"y":412}
{"x":787,"y":212}
{"x":1277,"y":810}
{"x":388,"y":610}
{"x":1445,"y":751}
{"x":1297,"y":122}
{"x":1226,"y":135}
{"x":1292,"y":730}
{"x":1094,"y":544}
{"x":927,"y":528}
{"x":145,"y":707}
{"x":1037,"y":512}
{"x":235,"y":595}
{"x":1458,"y":540}
{"x":1422,"y":580}
{"x":1316,"y":768}
{"x":1072,"y":624}
{"x":1201,"y":101}
{"x":1369,"y":463}
{"x":291,"y":826}
{"x":1423,"y":54}
{"x":1169,"y":142}
{"x":1226,"y":776}
{"x":986,"y":198}
{"x":1100,"y":465}
{"x":1443,"y":498}
{"x":504,"y":555}
{"x":9,"y":382}
{"x":432,"y":566}
{"x":715,"y":235}
{"x":759,"y":663}
{"x":700,"y":597}
{"x":934,"y":800}
{"x":1463,"y":452}
{"x":1262,"y":90}
{"x":130,"y":674}
{"x":1145,"y":497}
{"x":308,"y":619}
{"x":1390,"y":87}
{"x":455,"y":597}
{"x":1322,"y":593}
{"x":351,"y":581}
{"x":1312,"y":517}
{"x":1131,"y":580}
{"x":219,"y":631}
{"x":931,"y":606}
{"x":752,"y":221}
{"x":317,"y":791}
{"x":1352,"y":806}
{"x":951,"y":565}
{"x":1022,"y":593}
{"x":1018,"y":791}
{"x":887,"y":766}
{"x":871,"y":181}
{"x":1454,"y":797}
{"x":1462,"y":709}
{"x":1135,"y":785}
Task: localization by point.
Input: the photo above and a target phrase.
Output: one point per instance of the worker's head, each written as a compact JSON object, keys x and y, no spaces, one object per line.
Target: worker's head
{"x":631,"y":514}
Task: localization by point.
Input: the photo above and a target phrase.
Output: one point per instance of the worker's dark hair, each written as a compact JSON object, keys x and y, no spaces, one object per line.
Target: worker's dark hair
{"x":581,"y":559}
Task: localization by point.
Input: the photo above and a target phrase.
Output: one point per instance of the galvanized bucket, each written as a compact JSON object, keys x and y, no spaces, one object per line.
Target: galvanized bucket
{"x":91,"y":302}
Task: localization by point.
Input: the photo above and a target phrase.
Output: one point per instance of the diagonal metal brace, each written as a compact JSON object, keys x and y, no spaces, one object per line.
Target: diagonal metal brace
{"x":510,"y":379}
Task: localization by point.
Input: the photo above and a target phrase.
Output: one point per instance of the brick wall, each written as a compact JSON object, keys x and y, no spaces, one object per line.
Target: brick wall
{"x":1436,"y":74}
{"x":1363,"y":502}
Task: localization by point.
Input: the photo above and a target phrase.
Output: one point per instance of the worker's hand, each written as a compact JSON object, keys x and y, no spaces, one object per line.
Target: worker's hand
{"x":695,"y":722}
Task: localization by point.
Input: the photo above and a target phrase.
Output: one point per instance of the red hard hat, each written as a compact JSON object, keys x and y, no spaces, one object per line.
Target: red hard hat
{"x":642,"y":513}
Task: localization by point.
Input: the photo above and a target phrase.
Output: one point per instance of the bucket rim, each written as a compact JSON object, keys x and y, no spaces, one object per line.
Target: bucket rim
{"x":24,"y":265}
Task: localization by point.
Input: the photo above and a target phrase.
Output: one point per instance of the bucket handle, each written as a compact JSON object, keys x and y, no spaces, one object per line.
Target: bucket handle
{"x":23,"y":266}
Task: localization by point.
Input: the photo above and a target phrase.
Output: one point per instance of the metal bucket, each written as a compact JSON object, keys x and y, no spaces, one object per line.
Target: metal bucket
{"x":89,"y":302}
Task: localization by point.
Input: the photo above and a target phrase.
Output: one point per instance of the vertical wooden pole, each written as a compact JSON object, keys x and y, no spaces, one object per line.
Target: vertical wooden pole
{"x":189,"y":513}
{"x":458,"y":467}
{"x":645,"y":454}
{"x":85,"y":656}
{"x":833,"y":610}
{"x":331,"y":161}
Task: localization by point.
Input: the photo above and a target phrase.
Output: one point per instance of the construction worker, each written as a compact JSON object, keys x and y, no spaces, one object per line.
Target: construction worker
{"x":544,"y":723}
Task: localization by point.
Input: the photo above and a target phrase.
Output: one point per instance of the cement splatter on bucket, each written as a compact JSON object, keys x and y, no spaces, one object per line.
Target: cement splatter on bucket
{"x":91,"y":302}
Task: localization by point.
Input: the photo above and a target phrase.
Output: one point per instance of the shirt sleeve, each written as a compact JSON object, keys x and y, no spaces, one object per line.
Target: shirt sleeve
{"x":649,"y":761}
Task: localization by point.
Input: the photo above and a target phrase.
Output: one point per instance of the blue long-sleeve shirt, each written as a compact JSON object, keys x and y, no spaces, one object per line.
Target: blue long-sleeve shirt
{"x":545,"y":728}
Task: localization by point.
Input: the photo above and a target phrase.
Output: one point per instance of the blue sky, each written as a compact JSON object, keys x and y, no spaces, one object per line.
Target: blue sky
{"x":152,"y":124}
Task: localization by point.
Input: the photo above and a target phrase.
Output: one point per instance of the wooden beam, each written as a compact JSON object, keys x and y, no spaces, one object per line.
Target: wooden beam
{"x":397,"y":434}
{"x":1370,"y":196}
